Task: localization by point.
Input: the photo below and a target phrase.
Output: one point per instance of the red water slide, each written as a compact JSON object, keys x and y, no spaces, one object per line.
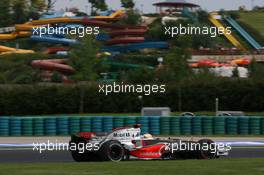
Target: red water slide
{"x":128,"y":32}
{"x":125,"y":40}
{"x":54,"y":50}
{"x":53,"y":65}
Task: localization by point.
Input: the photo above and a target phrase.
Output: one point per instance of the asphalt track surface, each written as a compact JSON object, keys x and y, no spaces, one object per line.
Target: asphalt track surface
{"x":30,"y":156}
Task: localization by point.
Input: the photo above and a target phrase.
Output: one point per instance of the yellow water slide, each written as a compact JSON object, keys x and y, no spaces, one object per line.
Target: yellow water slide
{"x":8,"y":50}
{"x":112,"y":16}
{"x":14,"y":35}
{"x":213,"y":17}
{"x":23,"y":30}
{"x":55,"y":21}
{"x":29,"y":25}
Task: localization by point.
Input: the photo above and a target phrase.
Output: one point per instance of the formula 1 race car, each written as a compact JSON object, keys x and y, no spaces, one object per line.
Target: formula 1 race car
{"x":126,"y":143}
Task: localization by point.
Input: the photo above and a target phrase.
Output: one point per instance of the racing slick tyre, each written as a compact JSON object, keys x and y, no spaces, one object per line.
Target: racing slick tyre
{"x":82,"y":155}
{"x":112,"y":150}
{"x":209,"y":153}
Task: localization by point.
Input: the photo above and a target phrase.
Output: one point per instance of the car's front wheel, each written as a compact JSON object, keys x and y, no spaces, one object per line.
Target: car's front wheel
{"x":112,"y":150}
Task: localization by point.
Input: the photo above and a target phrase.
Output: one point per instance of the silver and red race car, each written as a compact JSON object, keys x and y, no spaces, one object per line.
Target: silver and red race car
{"x":128,"y":143}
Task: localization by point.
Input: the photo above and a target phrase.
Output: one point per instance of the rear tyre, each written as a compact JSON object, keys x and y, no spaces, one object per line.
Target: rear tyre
{"x":78,"y":157}
{"x":86,"y":156}
{"x":209,"y":153}
{"x":112,"y":151}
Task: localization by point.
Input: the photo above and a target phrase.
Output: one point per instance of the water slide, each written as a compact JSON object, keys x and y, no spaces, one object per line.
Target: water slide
{"x":51,"y":65}
{"x":14,"y":35}
{"x":54,"y":50}
{"x":103,"y":37}
{"x":127,"y":35}
{"x":114,"y":16}
{"x":122,"y":32}
{"x":128,"y":32}
{"x":9,"y":50}
{"x":58,"y":65}
{"x":136,"y":47}
{"x":105,"y":15}
{"x":125,"y":40}
{"x":243,"y":33}
{"x":126,"y":65}
{"x":54,"y":40}
{"x":76,"y":19}
{"x":213,"y":17}
{"x":25,"y":30}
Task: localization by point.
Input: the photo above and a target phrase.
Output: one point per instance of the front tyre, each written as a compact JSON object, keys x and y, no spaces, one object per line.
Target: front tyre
{"x":112,"y":151}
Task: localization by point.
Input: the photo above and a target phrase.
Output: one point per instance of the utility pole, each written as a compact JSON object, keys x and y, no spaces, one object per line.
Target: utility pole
{"x":216,"y":106}
{"x":252,"y":4}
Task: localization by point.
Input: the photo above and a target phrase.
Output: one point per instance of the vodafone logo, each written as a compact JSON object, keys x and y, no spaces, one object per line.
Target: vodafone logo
{"x":150,"y":154}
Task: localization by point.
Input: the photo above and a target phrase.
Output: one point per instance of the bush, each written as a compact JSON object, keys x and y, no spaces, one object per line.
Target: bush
{"x":17,"y":69}
{"x":194,"y":94}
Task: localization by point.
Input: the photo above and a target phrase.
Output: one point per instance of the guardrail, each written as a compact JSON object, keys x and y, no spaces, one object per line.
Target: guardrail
{"x":63,"y":125}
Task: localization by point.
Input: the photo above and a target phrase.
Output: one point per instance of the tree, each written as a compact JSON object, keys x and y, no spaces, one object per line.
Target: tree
{"x":19,"y":8}
{"x":141,"y":75}
{"x":256,"y":70}
{"x":23,"y":10}
{"x":202,"y":16}
{"x":5,"y":16}
{"x":85,"y":61}
{"x":128,"y":4}
{"x":175,"y":66}
{"x":36,"y":7}
{"x":98,"y":5}
{"x":50,"y":5}
{"x":132,"y":18}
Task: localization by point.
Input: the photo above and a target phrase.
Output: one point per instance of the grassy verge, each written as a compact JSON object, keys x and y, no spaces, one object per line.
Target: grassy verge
{"x":186,"y":167}
{"x":255,"y":20}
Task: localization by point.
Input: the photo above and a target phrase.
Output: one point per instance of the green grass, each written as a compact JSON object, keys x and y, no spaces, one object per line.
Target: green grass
{"x":182,"y":167}
{"x":254,"y":19}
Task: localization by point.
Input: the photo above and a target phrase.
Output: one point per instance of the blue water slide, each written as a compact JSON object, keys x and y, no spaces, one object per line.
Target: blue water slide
{"x":136,"y":47}
{"x":53,"y":40}
{"x":44,"y":31}
{"x":105,"y":13}
{"x":243,"y":33}
{"x":62,"y":53}
{"x":102,"y":37}
{"x":52,"y":15}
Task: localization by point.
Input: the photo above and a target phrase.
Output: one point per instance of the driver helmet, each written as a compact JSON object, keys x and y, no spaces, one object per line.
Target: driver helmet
{"x":148,"y":136}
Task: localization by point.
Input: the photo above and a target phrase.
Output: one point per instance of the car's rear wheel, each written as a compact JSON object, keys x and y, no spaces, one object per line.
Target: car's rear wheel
{"x":82,"y":155}
{"x":112,"y":150}
{"x":209,"y":153}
